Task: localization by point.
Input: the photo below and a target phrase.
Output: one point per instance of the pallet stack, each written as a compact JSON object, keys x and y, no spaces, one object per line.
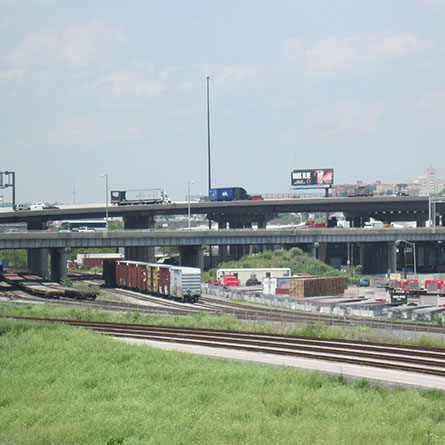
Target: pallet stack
{"x":317,"y":287}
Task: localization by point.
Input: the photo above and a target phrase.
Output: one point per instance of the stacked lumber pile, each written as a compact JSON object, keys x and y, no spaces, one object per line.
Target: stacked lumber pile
{"x":317,"y":287}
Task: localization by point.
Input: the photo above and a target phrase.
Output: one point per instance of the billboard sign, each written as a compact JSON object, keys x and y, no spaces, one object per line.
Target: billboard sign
{"x":321,"y":177}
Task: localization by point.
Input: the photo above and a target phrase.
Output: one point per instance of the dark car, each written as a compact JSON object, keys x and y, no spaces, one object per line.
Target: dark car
{"x":253,"y":282}
{"x":363,"y":282}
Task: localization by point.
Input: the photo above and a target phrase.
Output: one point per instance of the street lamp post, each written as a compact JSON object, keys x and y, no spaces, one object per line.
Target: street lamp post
{"x":105,"y":175}
{"x":410,"y":243}
{"x":188,"y":206}
{"x":208,"y":131}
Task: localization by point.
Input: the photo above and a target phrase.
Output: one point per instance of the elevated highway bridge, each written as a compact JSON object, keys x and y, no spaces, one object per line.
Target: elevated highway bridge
{"x":375,"y":250}
{"x":242,"y":213}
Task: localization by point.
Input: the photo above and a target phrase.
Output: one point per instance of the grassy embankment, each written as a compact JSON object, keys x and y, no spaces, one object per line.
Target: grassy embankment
{"x":62,"y":385}
{"x":297,"y":260}
{"x":206,"y":320}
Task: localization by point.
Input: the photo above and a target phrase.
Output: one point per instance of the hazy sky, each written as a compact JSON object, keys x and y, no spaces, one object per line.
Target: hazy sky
{"x":118,"y":87}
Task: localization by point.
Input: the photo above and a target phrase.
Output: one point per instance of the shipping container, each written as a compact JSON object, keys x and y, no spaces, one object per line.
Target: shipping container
{"x":313,"y":287}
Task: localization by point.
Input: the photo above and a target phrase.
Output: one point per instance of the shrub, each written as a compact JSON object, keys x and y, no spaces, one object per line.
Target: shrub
{"x":66,"y":281}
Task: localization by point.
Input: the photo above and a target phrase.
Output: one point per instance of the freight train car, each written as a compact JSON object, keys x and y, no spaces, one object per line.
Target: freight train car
{"x":37,"y":286}
{"x":182,"y":283}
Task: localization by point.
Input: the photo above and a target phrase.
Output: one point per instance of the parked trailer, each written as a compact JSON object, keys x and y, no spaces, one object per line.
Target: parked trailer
{"x":183,"y":283}
{"x":244,"y":274}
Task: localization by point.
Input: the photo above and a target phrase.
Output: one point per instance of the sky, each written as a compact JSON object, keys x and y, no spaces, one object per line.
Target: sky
{"x":119,"y":88}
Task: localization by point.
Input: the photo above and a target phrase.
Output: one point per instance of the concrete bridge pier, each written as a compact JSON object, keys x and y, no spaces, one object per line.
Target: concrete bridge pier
{"x":38,"y":262}
{"x":58,"y":259}
{"x":140,"y":253}
{"x":392,"y":258}
{"x":191,"y":256}
{"x":49,"y":264}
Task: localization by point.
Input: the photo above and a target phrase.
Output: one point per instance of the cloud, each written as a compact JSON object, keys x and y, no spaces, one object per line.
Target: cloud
{"x":143,"y":81}
{"x":77,"y":46}
{"x":235,"y":75}
{"x":231,"y":76}
{"x":348,"y":118}
{"x":433,"y":3}
{"x":327,"y":56}
{"x":12,"y":75}
{"x":400,"y":44}
{"x":434,"y":102}
{"x":334,"y":54}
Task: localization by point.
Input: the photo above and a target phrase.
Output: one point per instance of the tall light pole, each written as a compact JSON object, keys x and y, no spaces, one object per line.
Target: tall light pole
{"x":410,"y":243}
{"x":105,"y":175}
{"x":208,"y":130}
{"x":208,"y":153}
{"x":188,"y":195}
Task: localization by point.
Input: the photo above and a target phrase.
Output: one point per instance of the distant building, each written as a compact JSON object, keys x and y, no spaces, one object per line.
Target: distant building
{"x":430,"y":184}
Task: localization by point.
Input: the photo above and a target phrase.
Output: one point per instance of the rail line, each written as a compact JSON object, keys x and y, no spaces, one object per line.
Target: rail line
{"x":380,"y":355}
{"x":242,"y":312}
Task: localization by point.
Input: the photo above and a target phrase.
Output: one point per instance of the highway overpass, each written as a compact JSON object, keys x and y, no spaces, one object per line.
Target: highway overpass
{"x":239,"y":214}
{"x":374,"y":249}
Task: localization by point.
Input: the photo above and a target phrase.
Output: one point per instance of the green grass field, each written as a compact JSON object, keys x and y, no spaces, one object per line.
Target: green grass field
{"x":63,"y":385}
{"x":206,"y":320}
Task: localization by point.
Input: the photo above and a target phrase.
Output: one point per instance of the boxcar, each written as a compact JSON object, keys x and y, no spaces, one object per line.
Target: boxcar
{"x":164,"y":280}
{"x":109,"y":272}
{"x":178,"y":282}
{"x":185,"y":283}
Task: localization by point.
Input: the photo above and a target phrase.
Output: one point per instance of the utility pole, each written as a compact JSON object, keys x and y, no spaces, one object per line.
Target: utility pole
{"x":208,"y":155}
{"x":208,"y":130}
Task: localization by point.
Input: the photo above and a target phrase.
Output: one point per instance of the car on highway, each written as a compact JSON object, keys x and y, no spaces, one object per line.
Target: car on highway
{"x":21,"y":207}
{"x":37,"y":206}
{"x":42,"y":206}
{"x":86,"y":229}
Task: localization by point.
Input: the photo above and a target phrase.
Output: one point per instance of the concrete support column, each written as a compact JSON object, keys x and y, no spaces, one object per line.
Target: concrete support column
{"x":236,"y":251}
{"x":362,"y":255}
{"x":261,"y":225}
{"x":191,"y":256}
{"x":392,"y":258}
{"x":38,"y":262}
{"x":50,"y":264}
{"x":313,"y":248}
{"x":58,"y":264}
{"x":322,"y":250}
{"x":222,"y":253}
{"x":140,"y":253}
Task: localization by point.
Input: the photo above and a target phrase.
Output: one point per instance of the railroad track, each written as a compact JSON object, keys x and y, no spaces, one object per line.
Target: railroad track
{"x":240,"y":311}
{"x":152,"y":299}
{"x":387,"y":356}
{"x":246,"y":312}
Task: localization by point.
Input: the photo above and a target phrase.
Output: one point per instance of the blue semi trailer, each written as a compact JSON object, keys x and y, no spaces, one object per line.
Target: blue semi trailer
{"x":228,"y":194}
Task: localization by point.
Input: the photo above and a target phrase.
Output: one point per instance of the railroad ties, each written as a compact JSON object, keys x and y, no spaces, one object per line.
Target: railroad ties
{"x":37,"y":286}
